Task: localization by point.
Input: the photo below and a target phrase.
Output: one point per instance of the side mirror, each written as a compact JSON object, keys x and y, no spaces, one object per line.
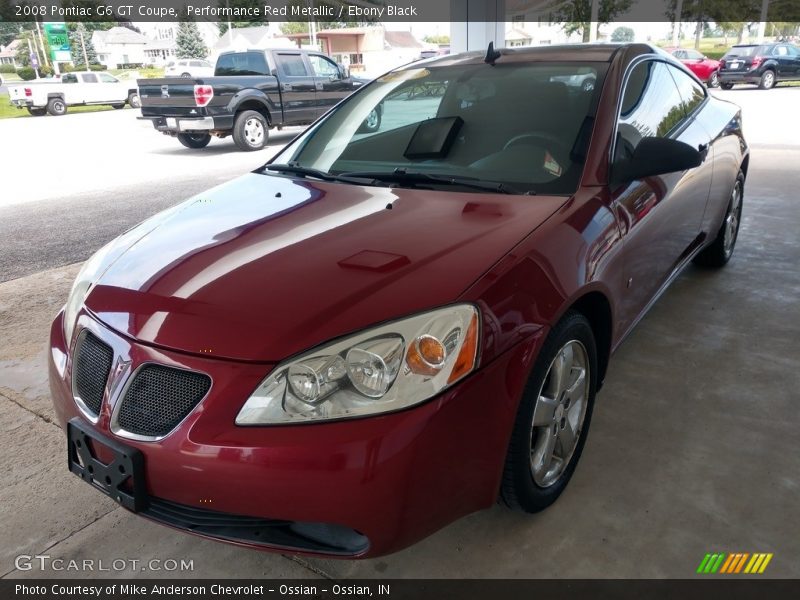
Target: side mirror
{"x":344,"y":72}
{"x":656,"y":156}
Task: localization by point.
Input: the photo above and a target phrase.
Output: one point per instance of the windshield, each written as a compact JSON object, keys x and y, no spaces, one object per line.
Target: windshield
{"x":521,"y":124}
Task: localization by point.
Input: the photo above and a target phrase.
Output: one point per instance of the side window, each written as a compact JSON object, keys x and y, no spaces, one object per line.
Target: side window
{"x":651,"y":107}
{"x":292,"y":65}
{"x":780,"y":51}
{"x":793,"y":51}
{"x":323,"y":67}
{"x":69,"y":78}
{"x":89,"y":78}
{"x":692,"y":93}
{"x":679,"y":54}
{"x":196,"y":63}
{"x":106,"y":78}
{"x":242,"y":63}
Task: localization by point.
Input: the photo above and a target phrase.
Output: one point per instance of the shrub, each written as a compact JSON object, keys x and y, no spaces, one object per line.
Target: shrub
{"x":6,"y":68}
{"x":26,"y":73}
{"x":45,"y":71}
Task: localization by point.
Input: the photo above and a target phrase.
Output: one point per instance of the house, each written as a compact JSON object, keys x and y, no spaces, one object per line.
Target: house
{"x":367,"y":50}
{"x":162,"y":35}
{"x":247,"y":38}
{"x":120,"y":46}
{"x":8,"y":54}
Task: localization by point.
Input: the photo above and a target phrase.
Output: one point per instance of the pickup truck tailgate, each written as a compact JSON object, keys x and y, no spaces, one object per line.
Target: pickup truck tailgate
{"x":169,"y":97}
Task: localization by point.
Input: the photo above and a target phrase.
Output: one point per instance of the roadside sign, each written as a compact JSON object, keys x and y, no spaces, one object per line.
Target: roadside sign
{"x":58,"y":39}
{"x":34,"y":60}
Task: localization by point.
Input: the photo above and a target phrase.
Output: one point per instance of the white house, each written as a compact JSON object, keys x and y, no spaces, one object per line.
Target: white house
{"x":8,"y":54}
{"x":119,"y":46}
{"x":162,"y":47}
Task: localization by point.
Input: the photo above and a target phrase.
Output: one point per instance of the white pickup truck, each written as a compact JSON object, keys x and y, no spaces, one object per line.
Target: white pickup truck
{"x":73,"y":89}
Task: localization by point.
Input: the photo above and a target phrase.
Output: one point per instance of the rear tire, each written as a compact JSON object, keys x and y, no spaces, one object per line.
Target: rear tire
{"x":56,"y":107}
{"x":250,"y":131}
{"x":767,"y":80}
{"x":117,"y":106}
{"x":194,"y":141}
{"x":713,"y":80}
{"x":37,"y":112}
{"x":721,"y":249}
{"x":372,"y":123}
{"x":725,"y":85}
{"x":133,"y":100}
{"x":186,"y":75}
{"x":554,"y":413}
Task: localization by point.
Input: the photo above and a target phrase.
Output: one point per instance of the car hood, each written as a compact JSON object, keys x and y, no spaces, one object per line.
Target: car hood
{"x":265,"y":266}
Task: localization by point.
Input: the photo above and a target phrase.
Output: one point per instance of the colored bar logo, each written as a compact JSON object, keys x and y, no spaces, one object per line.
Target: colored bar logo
{"x":733,"y":563}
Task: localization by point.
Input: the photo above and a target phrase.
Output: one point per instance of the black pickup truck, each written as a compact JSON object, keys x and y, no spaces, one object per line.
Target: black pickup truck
{"x":250,"y":93}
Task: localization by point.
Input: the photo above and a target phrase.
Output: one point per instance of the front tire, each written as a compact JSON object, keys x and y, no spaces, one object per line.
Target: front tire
{"x":194,"y":140}
{"x":767,"y":80}
{"x":56,"y":107}
{"x":553,"y":417}
{"x":721,"y":249}
{"x":250,"y":131}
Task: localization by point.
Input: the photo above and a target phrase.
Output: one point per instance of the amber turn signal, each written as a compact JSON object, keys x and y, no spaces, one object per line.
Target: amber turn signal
{"x":469,"y":350}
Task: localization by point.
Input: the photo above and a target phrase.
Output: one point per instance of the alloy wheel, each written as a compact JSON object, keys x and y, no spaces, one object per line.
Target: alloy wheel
{"x":732,"y":219}
{"x":372,"y":119}
{"x":559,"y":413}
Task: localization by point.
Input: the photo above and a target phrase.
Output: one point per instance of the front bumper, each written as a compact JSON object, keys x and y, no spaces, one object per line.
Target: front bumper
{"x":391,"y":479}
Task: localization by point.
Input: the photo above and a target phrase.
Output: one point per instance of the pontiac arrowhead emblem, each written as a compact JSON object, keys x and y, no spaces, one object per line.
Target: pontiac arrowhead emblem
{"x":118,"y":373}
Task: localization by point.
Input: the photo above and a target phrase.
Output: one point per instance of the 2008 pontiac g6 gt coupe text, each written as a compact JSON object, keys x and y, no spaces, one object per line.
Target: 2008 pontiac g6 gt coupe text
{"x":382,"y":331}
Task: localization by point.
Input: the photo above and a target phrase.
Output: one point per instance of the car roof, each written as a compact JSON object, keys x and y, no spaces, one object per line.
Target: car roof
{"x":592,"y":52}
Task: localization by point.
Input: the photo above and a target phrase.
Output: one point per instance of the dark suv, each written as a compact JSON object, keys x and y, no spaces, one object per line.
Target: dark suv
{"x":764,"y":65}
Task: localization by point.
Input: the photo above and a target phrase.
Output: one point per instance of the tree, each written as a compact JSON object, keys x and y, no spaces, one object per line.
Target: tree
{"x":188,"y":41}
{"x":76,"y":47}
{"x":623,"y":34}
{"x":576,"y":14}
{"x":239,"y":4}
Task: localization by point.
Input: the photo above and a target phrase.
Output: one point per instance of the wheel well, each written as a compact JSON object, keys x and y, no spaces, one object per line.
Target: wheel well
{"x":256,"y":106}
{"x":596,"y":308}
{"x":133,"y":91}
{"x":52,"y":96}
{"x":745,"y":165}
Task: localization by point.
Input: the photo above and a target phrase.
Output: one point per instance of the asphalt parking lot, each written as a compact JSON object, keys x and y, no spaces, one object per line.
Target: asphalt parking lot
{"x":693,"y":444}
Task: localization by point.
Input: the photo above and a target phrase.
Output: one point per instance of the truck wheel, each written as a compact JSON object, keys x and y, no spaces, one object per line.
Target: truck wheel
{"x":250,"y":131}
{"x":194,"y":140}
{"x":372,"y":123}
{"x":186,"y":75}
{"x":134,"y":101}
{"x":117,"y":106}
{"x":37,"y":112}
{"x":56,"y":107}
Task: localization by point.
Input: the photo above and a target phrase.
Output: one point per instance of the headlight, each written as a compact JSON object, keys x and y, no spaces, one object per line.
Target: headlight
{"x":80,"y":289}
{"x":382,"y":369}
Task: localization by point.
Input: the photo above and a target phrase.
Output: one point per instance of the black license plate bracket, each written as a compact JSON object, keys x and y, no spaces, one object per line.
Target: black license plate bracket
{"x":121,"y":479}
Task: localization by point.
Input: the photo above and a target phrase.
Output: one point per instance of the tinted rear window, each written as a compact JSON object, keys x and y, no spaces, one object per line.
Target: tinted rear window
{"x":243,"y":63}
{"x":744,"y":51}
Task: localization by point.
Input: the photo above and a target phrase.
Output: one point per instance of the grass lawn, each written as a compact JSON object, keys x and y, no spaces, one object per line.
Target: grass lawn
{"x":8,"y":111}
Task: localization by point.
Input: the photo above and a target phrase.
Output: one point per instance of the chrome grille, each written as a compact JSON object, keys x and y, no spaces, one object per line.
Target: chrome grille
{"x":90,"y":371}
{"x":159,"y":398}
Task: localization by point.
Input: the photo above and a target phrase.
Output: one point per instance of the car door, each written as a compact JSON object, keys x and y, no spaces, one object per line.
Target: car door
{"x":298,"y":89}
{"x":331,"y":85}
{"x":112,"y":89}
{"x":661,"y":216}
{"x":90,"y":89}
{"x":784,"y":66}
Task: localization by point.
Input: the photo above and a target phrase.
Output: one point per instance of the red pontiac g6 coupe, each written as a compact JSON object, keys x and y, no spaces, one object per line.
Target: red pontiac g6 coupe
{"x":380,"y":332}
{"x":707,"y":69}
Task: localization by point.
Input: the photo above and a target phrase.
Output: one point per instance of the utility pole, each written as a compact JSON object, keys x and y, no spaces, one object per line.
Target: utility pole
{"x":46,"y":60}
{"x":593,"y":19}
{"x":32,"y":55}
{"x":85,"y":57}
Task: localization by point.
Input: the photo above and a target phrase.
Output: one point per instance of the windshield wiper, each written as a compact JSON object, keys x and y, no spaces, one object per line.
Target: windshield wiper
{"x":403,"y":176}
{"x":295,"y":169}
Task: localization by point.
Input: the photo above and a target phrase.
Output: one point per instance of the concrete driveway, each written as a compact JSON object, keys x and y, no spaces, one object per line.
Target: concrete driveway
{"x":692,"y":449}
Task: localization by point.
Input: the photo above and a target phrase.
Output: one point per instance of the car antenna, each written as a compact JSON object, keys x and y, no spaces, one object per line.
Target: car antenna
{"x":491,"y":54}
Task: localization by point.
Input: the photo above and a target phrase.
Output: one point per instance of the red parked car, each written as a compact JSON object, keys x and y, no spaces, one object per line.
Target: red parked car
{"x":707,"y":69}
{"x":380,"y":332}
